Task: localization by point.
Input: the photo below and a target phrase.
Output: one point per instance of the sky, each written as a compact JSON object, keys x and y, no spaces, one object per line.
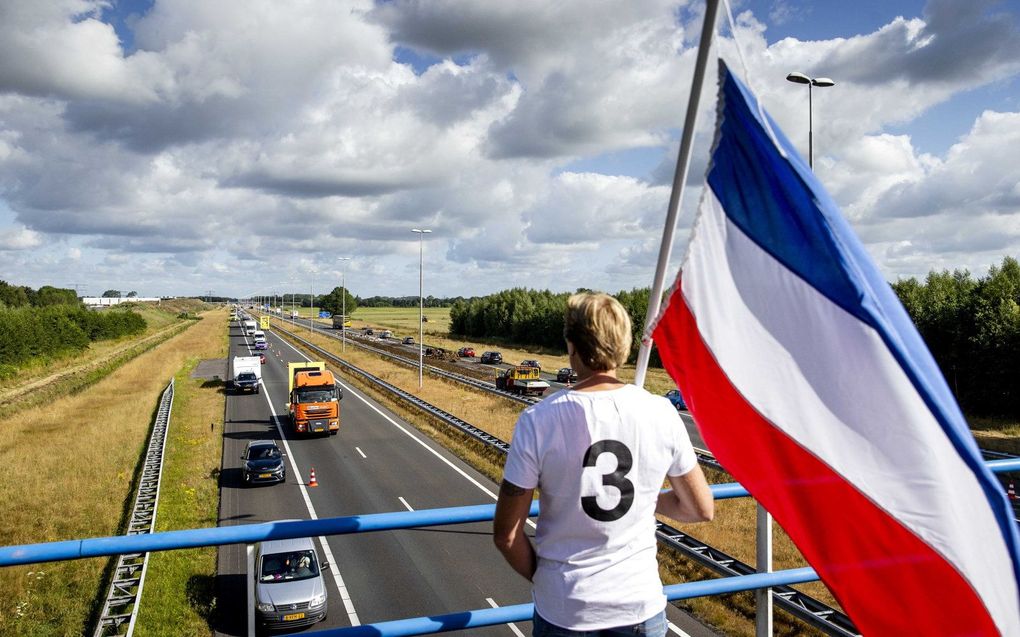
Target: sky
{"x":184,"y":147}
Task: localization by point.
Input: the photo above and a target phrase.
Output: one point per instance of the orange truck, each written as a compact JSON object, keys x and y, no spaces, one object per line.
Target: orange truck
{"x":314,"y":399}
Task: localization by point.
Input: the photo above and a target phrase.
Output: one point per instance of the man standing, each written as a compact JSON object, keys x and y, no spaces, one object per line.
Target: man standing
{"x":599,"y":453}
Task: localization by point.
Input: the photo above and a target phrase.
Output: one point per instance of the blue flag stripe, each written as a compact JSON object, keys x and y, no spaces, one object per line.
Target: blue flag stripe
{"x":779,"y":203}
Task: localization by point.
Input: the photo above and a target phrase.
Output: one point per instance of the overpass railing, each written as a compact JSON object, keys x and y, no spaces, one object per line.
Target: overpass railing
{"x":252,"y":533}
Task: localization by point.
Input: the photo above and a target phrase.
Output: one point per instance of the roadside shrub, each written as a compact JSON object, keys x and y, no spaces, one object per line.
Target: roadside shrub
{"x":56,"y":330}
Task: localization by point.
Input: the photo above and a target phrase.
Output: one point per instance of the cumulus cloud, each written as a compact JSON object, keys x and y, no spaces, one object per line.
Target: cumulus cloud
{"x":236,"y":130}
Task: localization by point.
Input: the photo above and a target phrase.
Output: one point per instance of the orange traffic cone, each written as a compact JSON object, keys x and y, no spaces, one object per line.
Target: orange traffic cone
{"x":312,"y":482}
{"x":1011,"y":492}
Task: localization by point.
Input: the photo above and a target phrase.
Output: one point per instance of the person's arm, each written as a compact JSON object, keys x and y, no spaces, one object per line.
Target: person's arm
{"x":690,"y":499}
{"x":512,"y":509}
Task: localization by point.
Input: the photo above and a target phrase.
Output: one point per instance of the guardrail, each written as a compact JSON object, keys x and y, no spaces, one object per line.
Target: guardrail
{"x":125,"y":592}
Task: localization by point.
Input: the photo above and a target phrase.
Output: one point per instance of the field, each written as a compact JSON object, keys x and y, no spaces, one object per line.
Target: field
{"x":69,"y":472}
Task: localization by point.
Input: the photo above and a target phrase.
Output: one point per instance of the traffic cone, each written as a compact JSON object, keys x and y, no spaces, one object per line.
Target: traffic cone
{"x":312,"y":482}
{"x":1011,"y":492}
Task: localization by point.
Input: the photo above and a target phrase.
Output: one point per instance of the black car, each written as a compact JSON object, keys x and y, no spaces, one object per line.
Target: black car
{"x":566,"y":375}
{"x":491,"y":357}
{"x":531,"y":362}
{"x":263,"y":462}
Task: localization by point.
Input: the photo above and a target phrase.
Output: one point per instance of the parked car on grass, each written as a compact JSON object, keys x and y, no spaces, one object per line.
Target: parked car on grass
{"x":289,"y":588}
{"x":531,"y":362}
{"x":491,"y":357}
{"x":466,"y":352}
{"x":566,"y":375}
{"x":263,"y":462}
{"x":677,"y":399}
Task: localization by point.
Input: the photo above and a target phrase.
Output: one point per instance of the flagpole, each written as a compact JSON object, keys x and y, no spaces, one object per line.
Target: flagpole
{"x":676,"y":196}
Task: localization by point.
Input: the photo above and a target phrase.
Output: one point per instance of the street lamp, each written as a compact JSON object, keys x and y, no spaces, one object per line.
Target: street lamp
{"x":343,"y":312}
{"x":421,"y":302}
{"x":800,"y":78}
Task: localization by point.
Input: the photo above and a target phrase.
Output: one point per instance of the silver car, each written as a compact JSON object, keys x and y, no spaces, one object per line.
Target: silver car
{"x":289,"y":588}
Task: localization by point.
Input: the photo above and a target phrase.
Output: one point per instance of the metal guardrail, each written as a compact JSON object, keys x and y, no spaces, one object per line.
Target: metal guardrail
{"x":801,"y":605}
{"x":125,"y":592}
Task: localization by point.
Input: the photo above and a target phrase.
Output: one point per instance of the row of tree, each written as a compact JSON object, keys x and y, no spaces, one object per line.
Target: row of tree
{"x":24,"y":296}
{"x":535,"y":317}
{"x":28,"y":333}
{"x":972,"y":327}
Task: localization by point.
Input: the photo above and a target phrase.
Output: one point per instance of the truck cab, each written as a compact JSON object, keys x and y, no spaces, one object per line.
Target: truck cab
{"x":314,"y":399}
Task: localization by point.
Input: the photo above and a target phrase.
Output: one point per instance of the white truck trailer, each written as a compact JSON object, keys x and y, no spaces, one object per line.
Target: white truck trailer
{"x":247,"y":373}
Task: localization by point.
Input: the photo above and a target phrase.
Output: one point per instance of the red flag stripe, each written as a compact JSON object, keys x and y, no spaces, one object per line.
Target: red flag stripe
{"x":855,"y":546}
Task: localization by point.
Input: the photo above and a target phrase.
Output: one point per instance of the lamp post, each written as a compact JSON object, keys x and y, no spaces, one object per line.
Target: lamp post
{"x":421,"y":301}
{"x":800,"y":78}
{"x":343,"y":311}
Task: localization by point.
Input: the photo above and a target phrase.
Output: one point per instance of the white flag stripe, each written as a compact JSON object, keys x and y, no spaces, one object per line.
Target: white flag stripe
{"x":774,"y":335}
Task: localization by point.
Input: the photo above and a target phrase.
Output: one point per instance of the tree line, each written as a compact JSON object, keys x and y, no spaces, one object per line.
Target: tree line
{"x":972,"y":327}
{"x":535,"y":317}
{"x":51,"y":322}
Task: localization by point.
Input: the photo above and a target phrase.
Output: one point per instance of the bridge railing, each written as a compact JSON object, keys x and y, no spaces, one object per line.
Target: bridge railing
{"x":253,"y":533}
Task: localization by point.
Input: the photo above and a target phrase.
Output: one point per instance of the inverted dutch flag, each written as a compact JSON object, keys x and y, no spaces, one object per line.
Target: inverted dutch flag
{"x":812,"y":387}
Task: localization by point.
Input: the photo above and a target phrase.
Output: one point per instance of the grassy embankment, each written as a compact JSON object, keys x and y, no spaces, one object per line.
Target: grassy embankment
{"x":732,"y":531}
{"x":44,"y":379}
{"x":179,"y":587}
{"x":70,"y":472}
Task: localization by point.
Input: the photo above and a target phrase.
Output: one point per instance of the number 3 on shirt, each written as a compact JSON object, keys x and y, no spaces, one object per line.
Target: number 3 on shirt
{"x":624,"y":462}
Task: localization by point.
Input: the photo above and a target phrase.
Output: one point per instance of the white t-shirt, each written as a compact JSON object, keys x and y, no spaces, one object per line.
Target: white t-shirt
{"x":599,"y":459}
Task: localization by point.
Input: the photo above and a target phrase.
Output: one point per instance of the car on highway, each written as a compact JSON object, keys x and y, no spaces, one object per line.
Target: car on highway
{"x":408,"y":340}
{"x":289,"y":588}
{"x":466,"y":352}
{"x":531,"y":362}
{"x":677,"y":399}
{"x":262,"y":358}
{"x":566,"y":375}
{"x":263,"y":462}
{"x":491,"y":357}
{"x":369,"y":331}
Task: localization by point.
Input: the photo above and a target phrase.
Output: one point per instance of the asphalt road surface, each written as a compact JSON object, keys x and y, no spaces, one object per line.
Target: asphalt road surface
{"x":376,"y":464}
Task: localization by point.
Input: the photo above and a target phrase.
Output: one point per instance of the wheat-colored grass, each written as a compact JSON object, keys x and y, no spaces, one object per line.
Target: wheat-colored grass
{"x":68,"y":472}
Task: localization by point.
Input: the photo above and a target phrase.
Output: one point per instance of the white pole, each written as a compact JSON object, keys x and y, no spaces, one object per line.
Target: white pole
{"x":676,"y":196}
{"x":763,"y":560}
{"x":421,"y":301}
{"x":421,"y":305}
{"x":343,"y":312}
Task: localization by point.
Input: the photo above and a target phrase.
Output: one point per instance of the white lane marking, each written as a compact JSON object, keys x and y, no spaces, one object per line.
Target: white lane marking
{"x":404,"y":502}
{"x":673,"y":628}
{"x":358,"y":449}
{"x":512,"y":627}
{"x":352,"y":615}
{"x":410,"y":435}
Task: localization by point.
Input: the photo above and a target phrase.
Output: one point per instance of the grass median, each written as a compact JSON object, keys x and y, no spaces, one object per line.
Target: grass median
{"x":178,"y":598}
{"x":733,"y":529}
{"x":70,"y":472}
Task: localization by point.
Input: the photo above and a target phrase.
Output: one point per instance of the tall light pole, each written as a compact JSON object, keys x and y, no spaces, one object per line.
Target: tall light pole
{"x":800,"y":78}
{"x":421,"y":302}
{"x":343,"y":311}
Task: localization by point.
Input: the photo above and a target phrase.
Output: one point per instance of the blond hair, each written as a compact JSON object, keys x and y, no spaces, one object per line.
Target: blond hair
{"x":599,"y":329}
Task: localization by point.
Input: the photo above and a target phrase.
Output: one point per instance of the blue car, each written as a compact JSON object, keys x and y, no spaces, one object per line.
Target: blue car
{"x":677,"y":399}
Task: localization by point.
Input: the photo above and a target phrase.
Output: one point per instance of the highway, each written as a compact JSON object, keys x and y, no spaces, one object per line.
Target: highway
{"x":376,"y":464}
{"x":410,"y":352}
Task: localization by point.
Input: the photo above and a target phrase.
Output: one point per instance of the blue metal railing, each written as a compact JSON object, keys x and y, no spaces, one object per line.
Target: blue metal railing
{"x":252,"y":533}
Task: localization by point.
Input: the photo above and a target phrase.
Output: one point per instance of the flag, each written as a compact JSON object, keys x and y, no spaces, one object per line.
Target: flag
{"x":812,"y":387}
